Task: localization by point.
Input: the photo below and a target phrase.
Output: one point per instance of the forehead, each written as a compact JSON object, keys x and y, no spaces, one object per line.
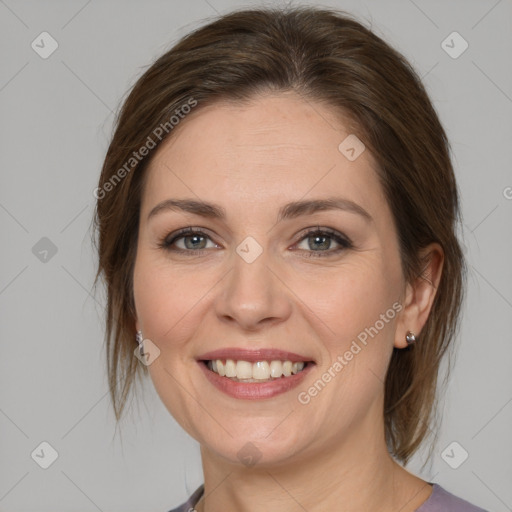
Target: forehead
{"x":269,"y":150}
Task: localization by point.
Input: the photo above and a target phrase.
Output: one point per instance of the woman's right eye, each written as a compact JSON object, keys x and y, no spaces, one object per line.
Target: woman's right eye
{"x":186,"y":240}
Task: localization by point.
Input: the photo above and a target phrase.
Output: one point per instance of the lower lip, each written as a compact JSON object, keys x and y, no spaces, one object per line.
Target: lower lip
{"x":255,"y":390}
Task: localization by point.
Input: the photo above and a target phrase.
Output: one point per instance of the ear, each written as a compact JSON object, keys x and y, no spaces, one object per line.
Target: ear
{"x":420,"y":294}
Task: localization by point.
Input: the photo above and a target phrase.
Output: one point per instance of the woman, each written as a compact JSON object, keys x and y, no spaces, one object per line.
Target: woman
{"x":277,"y":214}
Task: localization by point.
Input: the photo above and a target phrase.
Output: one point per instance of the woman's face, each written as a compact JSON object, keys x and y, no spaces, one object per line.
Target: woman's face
{"x":254,"y":280}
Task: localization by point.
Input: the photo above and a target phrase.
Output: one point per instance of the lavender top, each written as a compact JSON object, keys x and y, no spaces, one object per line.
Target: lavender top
{"x":439,"y":501}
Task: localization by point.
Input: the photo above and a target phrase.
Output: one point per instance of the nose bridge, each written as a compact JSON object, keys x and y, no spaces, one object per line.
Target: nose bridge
{"x":251,"y":293}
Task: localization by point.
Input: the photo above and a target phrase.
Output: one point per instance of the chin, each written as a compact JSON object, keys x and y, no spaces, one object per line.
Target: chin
{"x":254,"y":447}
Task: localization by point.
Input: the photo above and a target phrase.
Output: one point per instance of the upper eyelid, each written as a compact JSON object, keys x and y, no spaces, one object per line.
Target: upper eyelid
{"x":185,"y":232}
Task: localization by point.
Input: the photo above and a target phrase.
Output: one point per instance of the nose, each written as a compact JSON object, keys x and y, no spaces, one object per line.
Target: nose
{"x":253,"y":295}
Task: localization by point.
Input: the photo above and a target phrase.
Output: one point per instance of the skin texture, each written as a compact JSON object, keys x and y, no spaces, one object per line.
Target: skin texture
{"x":251,"y":159}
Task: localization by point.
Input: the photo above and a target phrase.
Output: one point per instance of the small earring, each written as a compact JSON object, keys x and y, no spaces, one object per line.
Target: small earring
{"x":140,"y":340}
{"x":410,"y":337}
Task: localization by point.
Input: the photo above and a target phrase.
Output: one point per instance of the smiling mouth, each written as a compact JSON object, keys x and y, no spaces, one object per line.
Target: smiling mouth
{"x":258,"y":371}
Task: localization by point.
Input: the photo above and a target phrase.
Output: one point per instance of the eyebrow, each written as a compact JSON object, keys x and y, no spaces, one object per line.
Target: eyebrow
{"x":288,"y":211}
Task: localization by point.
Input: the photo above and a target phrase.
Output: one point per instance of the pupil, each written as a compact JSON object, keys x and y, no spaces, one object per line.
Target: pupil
{"x":192,"y":245}
{"x":324,"y":245}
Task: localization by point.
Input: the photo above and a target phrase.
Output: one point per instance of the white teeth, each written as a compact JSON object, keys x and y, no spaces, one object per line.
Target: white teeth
{"x":243,"y":370}
{"x":258,"y":371}
{"x":276,"y":369}
{"x":230,"y":368}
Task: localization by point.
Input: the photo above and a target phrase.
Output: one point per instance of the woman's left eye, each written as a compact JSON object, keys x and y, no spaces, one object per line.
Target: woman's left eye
{"x":320,"y":242}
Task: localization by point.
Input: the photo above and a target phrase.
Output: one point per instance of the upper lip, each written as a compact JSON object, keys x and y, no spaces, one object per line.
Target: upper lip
{"x":261,"y":354}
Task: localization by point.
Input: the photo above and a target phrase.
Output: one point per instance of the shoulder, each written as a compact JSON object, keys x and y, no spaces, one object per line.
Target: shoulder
{"x":439,"y":501}
{"x":189,"y":505}
{"x":443,"y":501}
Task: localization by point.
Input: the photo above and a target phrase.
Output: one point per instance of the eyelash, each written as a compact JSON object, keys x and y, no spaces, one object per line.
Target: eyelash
{"x":342,"y":240}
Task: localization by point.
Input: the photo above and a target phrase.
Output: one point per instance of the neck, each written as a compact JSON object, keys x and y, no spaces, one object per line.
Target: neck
{"x":357,"y":475}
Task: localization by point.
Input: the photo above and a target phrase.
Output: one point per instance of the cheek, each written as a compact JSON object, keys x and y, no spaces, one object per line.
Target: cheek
{"x":358,"y":304}
{"x":166,"y":299}
{"x":353,"y":297}
{"x":168,"y":303}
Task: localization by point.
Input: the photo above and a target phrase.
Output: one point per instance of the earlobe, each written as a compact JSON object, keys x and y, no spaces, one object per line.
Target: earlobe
{"x":420,"y":295}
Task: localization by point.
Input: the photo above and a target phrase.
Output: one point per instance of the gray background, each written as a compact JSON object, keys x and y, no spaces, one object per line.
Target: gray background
{"x":57,"y":116}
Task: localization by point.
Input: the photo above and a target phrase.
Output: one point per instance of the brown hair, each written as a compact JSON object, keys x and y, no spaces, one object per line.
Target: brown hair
{"x":325,"y":56}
